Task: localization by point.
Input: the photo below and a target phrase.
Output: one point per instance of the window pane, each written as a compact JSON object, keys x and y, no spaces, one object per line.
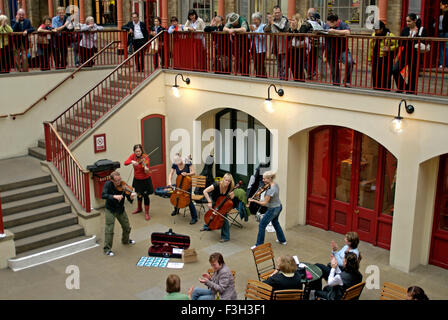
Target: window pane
{"x":241,"y":143}
{"x":344,"y":143}
{"x":203,"y":9}
{"x":390,"y":172}
{"x":415,"y":6}
{"x":225,"y":145}
{"x":443,"y":221}
{"x":367,"y":173}
{"x":261,"y":148}
{"x":319,"y":175}
{"x":244,"y":9}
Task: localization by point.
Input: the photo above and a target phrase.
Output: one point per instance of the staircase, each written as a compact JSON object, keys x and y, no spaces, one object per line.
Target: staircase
{"x":43,"y":224}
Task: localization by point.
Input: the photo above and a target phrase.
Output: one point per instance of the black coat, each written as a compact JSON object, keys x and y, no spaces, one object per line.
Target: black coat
{"x":130,"y":26}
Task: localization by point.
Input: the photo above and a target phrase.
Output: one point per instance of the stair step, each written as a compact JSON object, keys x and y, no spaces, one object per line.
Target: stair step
{"x":41,"y":226}
{"x":58,"y":250}
{"x":116,"y":90}
{"x":30,"y":216}
{"x":79,"y":121}
{"x":107,"y":98}
{"x":71,"y":129}
{"x":96,"y":106}
{"x":25,"y":183}
{"x":134,"y":77}
{"x":41,"y":143}
{"x":27,"y":192}
{"x":47,"y":238}
{"x":31,"y":203}
{"x":37,"y":152}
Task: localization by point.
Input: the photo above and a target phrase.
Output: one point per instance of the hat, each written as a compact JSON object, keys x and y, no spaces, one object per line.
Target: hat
{"x":233,"y":17}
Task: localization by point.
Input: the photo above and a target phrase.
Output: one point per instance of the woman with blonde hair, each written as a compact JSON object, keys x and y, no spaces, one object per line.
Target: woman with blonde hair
{"x":212,"y":193}
{"x":286,"y":276}
{"x":298,"y":46}
{"x":272,"y":202}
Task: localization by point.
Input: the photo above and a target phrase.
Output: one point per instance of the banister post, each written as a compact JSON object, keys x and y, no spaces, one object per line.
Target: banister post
{"x":2,"y":229}
{"x":87,"y":191}
{"x":47,"y":142}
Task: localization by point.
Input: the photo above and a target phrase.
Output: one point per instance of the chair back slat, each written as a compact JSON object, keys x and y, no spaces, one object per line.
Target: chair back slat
{"x":256,"y":290}
{"x":292,"y":294}
{"x":353,"y":292}
{"x":264,"y":260}
{"x":198,"y":181}
{"x":392,"y":291}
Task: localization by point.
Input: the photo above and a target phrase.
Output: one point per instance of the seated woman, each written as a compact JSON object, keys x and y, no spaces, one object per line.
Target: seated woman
{"x":286,"y":276}
{"x":339,"y":281}
{"x":416,"y":293}
{"x":173,"y":289}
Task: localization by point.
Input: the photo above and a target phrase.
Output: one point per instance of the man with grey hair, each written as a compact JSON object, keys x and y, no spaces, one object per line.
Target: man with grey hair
{"x":237,"y":26}
{"x":21,"y":42}
{"x":278,"y":23}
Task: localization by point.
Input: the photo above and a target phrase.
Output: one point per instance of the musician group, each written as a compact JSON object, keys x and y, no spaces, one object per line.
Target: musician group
{"x":219,"y":196}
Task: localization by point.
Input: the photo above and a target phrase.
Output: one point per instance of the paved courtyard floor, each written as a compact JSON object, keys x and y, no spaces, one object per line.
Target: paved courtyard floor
{"x":118,"y":277}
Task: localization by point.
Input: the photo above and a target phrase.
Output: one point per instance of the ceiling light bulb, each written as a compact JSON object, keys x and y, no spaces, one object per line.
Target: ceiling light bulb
{"x":397,"y":125}
{"x":268,"y":106}
{"x":175,"y":91}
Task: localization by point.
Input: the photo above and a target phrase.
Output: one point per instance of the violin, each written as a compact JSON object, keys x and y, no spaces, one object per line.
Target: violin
{"x":142,"y":160}
{"x":254,"y":207}
{"x":125,"y":188}
{"x":214,"y":218}
{"x":180,"y":198}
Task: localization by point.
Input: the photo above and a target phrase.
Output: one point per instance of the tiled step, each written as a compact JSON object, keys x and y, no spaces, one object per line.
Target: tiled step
{"x":41,"y":143}
{"x":107,"y":98}
{"x":70,"y":129}
{"x":37,"y":152}
{"x":117,"y":91}
{"x":30,"y":216}
{"x":27,"y":192}
{"x":32,"y":203}
{"x":48,"y":238}
{"x":41,"y":226}
{"x":134,"y":77}
{"x":98,"y":107}
{"x":25,"y":183}
{"x":51,"y":252}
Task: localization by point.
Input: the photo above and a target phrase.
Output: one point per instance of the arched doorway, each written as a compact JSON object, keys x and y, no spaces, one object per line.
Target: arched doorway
{"x":439,"y":243}
{"x":351,"y":184}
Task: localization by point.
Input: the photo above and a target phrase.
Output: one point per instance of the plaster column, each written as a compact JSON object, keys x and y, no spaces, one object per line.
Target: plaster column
{"x":119,"y":14}
{"x":291,"y":8}
{"x":164,"y":14}
{"x":2,"y":6}
{"x":82,"y":11}
{"x":50,"y":8}
{"x":382,"y":5}
{"x":222,"y":8}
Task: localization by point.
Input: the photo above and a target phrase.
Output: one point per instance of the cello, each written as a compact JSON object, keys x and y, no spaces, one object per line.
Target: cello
{"x":214,"y":218}
{"x":181,"y":197}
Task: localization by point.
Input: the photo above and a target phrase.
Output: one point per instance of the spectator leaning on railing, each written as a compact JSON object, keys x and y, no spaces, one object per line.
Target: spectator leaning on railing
{"x":44,"y":43}
{"x":5,"y":29}
{"x":139,"y":35}
{"x":61,"y":41}
{"x":237,"y":26}
{"x":21,"y":42}
{"x":299,"y":46}
{"x":443,"y":33}
{"x":258,"y":49}
{"x":88,"y":43}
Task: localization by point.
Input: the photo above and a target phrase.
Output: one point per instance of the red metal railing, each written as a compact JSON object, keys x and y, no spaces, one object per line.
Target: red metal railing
{"x":71,"y":171}
{"x":46,"y":51}
{"x":354,"y":61}
{"x":118,"y":84}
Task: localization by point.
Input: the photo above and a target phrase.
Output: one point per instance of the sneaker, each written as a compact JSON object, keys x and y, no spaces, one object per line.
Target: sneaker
{"x":130,"y":242}
{"x":224,"y":240}
{"x":109,"y":253}
{"x":174,"y":213}
{"x":193,"y":221}
{"x":283,"y":243}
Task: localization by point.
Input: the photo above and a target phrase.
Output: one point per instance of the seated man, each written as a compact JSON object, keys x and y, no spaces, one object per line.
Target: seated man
{"x":221,"y":282}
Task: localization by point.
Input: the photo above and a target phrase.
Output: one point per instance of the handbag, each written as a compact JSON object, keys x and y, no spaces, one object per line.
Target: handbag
{"x":154,"y":47}
{"x":422,"y":47}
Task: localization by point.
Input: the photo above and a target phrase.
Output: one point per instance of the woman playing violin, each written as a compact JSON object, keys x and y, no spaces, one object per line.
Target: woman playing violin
{"x":212,"y":193}
{"x":185,"y":169}
{"x":142,"y":178}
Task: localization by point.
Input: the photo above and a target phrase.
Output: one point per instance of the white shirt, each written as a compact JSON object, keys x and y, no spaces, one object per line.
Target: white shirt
{"x":138,"y":34}
{"x":334,"y":279}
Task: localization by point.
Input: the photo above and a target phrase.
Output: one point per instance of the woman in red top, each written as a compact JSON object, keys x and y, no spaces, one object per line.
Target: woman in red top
{"x":142,"y":178}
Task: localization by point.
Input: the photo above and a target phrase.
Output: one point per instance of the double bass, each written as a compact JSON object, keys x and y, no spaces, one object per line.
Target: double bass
{"x":181,"y":196}
{"x":214,"y":218}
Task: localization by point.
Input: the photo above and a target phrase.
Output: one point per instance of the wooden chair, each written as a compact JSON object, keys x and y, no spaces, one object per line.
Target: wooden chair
{"x":293,"y":294}
{"x":257,"y":290}
{"x":210,"y":272}
{"x":198,"y":182}
{"x":264,"y":260}
{"x":353,"y":292}
{"x":392,"y":291}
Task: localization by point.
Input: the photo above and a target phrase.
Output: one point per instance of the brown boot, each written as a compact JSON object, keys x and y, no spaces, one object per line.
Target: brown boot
{"x":139,"y":208}
{"x":147,"y":213}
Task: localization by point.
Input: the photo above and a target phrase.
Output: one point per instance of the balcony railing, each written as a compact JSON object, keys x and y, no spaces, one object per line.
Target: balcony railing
{"x":406,"y":65}
{"x":61,"y":50}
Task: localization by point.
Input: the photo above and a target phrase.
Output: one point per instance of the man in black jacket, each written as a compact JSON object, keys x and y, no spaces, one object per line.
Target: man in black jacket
{"x":443,"y":33}
{"x":115,"y":209}
{"x":21,"y":42}
{"x":139,"y":36}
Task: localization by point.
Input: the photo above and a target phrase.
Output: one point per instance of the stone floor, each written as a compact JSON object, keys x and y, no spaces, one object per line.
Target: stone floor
{"x":118,"y":277}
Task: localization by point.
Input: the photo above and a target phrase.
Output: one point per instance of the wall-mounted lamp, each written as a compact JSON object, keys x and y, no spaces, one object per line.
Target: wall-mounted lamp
{"x":397,"y":125}
{"x":268,"y":102}
{"x":175,"y":88}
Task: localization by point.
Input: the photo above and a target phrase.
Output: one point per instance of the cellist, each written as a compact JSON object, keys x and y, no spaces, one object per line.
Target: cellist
{"x":212,"y":193}
{"x":142,"y":178}
{"x":186,"y":169}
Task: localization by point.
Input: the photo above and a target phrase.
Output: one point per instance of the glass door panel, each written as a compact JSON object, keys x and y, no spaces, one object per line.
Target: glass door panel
{"x":390,"y":175}
{"x":367,"y":173}
{"x":344,"y":155}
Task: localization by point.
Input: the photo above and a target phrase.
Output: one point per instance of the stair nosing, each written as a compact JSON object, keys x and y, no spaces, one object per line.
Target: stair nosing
{"x":47,"y":235}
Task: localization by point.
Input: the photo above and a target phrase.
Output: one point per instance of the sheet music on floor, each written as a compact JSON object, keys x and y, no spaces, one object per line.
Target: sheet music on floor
{"x":175,"y":265}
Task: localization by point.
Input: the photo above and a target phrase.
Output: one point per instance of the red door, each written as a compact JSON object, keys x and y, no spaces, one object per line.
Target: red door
{"x":153,"y":140}
{"x":361,"y":191}
{"x":439,"y":244}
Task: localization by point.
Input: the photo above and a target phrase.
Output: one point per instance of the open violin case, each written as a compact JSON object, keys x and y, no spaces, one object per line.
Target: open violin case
{"x":162,"y":244}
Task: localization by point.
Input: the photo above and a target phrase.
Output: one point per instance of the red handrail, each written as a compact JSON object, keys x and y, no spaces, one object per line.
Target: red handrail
{"x":118,"y":84}
{"x":76,"y":178}
{"x":70,"y":76}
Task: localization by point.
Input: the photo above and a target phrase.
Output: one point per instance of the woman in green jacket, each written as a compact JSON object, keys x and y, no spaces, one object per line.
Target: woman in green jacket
{"x":381,"y":55}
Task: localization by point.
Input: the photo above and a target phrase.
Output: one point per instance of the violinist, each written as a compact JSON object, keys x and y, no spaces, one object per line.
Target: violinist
{"x":142,"y":178}
{"x":180,"y":167}
{"x":114,"y":196}
{"x":272,"y":202}
{"x":212,"y":193}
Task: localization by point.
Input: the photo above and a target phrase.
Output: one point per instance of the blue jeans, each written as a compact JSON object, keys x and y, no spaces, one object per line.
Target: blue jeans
{"x":443,"y":53}
{"x":333,"y":59}
{"x":202,"y":294}
{"x":225,"y":230}
{"x":271,"y":215}
{"x":281,"y":66}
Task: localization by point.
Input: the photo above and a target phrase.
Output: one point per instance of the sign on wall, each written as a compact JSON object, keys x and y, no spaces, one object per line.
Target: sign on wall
{"x":99,"y":142}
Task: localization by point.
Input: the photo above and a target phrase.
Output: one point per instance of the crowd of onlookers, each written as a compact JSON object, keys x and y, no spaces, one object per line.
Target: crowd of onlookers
{"x":391,"y":59}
